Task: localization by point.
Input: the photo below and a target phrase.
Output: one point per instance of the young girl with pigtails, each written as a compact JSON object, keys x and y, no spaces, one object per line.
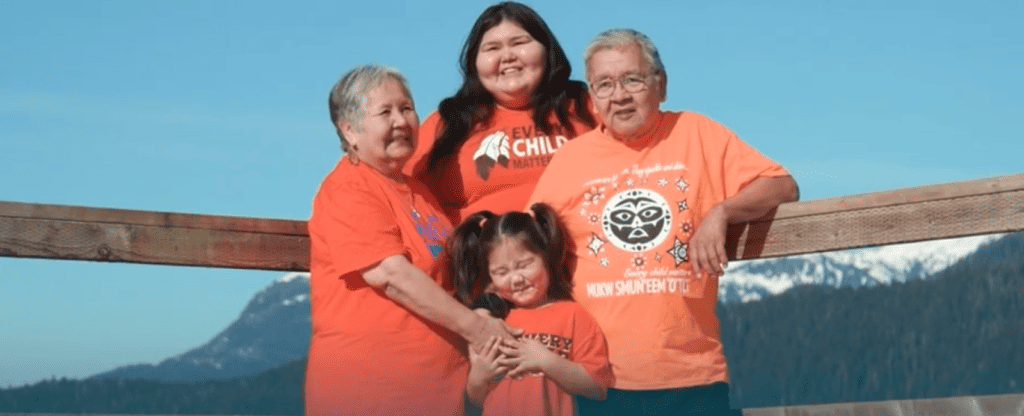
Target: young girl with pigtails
{"x":518,"y":266}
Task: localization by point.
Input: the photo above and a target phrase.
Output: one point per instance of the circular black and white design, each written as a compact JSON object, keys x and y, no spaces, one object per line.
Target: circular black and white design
{"x":636,"y":220}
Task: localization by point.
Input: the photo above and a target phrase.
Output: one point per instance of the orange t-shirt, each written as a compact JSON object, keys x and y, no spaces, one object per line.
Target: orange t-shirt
{"x":631,"y":209}
{"x":567,"y":329}
{"x":496,"y":167}
{"x":369,"y":355}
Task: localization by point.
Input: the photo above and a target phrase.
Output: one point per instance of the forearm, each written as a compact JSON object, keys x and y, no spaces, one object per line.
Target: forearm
{"x":707,"y":246}
{"x":476,"y":391}
{"x":758,"y":198}
{"x":412,"y":288}
{"x":470,"y":408}
{"x":573,"y":378}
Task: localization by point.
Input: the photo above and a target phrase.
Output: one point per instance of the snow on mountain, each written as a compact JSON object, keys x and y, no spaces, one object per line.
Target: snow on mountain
{"x":292,"y":276}
{"x":751,"y":280}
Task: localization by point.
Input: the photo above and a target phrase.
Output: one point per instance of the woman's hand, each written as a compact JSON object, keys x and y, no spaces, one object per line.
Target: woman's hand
{"x":489,"y":327}
{"x":411,"y":287}
{"x":527,"y":355}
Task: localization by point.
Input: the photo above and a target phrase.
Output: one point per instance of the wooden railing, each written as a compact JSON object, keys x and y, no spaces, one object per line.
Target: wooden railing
{"x":985,"y":206}
{"x":995,"y":405}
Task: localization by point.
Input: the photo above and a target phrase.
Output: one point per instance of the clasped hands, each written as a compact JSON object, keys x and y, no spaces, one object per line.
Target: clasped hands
{"x":501,"y":357}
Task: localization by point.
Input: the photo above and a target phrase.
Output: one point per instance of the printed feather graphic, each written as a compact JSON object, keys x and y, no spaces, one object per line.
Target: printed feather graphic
{"x":493,"y":149}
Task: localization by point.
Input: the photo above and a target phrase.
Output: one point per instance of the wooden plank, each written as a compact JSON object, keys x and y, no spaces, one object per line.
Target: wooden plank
{"x":73,"y":240}
{"x":903,"y":196}
{"x":1002,"y":404}
{"x":838,"y":228}
{"x":294,"y":227}
{"x":926,"y":213}
{"x":154,"y":218}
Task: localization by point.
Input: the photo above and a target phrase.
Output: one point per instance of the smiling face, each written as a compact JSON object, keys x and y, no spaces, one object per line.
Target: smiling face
{"x":386,"y":136}
{"x":510,"y":64}
{"x":518,"y":274}
{"x":627,"y":115}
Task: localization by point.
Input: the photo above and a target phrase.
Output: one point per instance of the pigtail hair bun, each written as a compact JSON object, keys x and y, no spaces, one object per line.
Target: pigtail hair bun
{"x":464,"y":254}
{"x":547,"y":219}
{"x":560,"y":251}
{"x":494,"y":304}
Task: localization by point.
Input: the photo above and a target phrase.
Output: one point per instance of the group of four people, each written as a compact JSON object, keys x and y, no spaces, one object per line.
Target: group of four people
{"x":583,"y":274}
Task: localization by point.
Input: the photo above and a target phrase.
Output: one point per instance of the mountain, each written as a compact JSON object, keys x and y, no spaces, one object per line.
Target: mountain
{"x":277,"y":391}
{"x":956,"y":333}
{"x":751,"y":280}
{"x":272,"y":330}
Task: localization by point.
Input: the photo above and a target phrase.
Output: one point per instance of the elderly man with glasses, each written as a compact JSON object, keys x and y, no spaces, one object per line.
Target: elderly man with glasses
{"x":647,"y":197}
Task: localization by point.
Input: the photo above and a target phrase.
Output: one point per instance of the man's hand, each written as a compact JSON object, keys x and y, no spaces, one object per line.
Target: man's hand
{"x":707,"y":246}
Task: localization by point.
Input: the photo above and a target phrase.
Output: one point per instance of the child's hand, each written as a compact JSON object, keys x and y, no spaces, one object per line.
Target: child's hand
{"x":485,"y":365}
{"x":527,"y":355}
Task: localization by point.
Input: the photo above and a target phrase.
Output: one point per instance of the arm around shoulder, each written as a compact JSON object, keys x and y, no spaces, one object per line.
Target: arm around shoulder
{"x":406,"y":284}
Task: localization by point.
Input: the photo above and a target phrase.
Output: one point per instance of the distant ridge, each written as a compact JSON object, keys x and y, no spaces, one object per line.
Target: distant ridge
{"x":752,"y":280}
{"x":273,"y":329}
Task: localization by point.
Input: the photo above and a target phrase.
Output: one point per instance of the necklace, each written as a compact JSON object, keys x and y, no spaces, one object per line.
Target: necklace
{"x":405,"y":194}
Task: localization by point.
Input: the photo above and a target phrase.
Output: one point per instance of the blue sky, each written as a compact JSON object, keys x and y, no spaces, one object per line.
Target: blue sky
{"x":218,"y":107}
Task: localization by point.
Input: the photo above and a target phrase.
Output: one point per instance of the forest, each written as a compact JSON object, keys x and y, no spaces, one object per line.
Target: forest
{"x":956,"y":333}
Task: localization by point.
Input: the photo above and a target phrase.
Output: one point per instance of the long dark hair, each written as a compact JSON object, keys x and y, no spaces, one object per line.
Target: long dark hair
{"x":470,"y":244}
{"x":473,"y":104}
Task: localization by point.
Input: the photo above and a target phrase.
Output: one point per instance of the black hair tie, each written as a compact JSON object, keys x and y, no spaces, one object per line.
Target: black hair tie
{"x":496,"y":305}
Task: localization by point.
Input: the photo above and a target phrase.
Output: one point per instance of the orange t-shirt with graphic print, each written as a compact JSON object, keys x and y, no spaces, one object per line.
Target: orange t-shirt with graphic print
{"x":631,"y":209}
{"x":568,"y":330}
{"x":369,"y":355}
{"x":496,"y":167}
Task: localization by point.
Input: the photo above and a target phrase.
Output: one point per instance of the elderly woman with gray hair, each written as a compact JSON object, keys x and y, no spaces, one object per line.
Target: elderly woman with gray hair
{"x":387,"y":336}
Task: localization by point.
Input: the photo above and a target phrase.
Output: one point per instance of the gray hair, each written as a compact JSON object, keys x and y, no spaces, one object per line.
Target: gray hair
{"x":348,"y":96}
{"x":622,"y":37}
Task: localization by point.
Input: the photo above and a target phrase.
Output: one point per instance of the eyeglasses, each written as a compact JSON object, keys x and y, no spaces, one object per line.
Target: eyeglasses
{"x":630,"y":82}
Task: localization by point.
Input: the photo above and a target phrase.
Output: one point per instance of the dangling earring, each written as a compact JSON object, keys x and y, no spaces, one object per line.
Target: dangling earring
{"x":352,"y":157}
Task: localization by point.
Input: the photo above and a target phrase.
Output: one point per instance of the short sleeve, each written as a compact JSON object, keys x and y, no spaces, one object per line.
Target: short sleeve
{"x":591,"y":349}
{"x":552,"y":188}
{"x":356,"y":226}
